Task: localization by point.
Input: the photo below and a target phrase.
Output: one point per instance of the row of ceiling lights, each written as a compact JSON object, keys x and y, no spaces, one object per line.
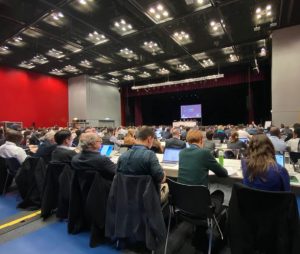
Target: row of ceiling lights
{"x":158,"y":12}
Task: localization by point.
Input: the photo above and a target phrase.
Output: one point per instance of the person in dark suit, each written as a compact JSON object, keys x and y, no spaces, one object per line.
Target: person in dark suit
{"x":63,"y":152}
{"x":46,"y":147}
{"x":175,"y":141}
{"x":90,"y":157}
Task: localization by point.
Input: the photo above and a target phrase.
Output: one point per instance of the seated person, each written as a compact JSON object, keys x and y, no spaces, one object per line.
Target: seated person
{"x":110,"y":139}
{"x":234,"y":142}
{"x":293,"y":144}
{"x":129,"y":139}
{"x":194,"y":164}
{"x":220,"y":134}
{"x":156,"y":146}
{"x":46,"y":146}
{"x":260,"y":169}
{"x":10,"y":148}
{"x":175,"y":141}
{"x":140,"y":160}
{"x":63,"y":152}
{"x":279,"y":145}
{"x":209,"y":143}
{"x":90,"y":157}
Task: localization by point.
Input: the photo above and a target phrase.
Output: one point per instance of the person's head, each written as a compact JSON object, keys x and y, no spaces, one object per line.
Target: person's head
{"x":13,"y":136}
{"x":176,"y":133}
{"x":261,"y":154}
{"x":49,"y":136}
{"x":209,"y":135}
{"x":78,"y":132}
{"x":296,"y":125}
{"x":145,"y":136}
{"x":274,"y":131}
{"x":89,"y":130}
{"x":194,"y":137}
{"x":297,"y":133}
{"x":90,"y":142}
{"x":234,"y":137}
{"x":63,"y":137}
{"x":240,"y":126}
{"x":130,"y":133}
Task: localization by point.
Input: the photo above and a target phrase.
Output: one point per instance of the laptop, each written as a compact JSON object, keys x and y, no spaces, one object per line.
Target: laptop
{"x":171,"y":156}
{"x":106,"y":150}
{"x":280,"y":159}
{"x":245,"y":140}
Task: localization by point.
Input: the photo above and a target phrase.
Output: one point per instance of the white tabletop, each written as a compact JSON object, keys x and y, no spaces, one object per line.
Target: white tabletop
{"x":233,"y":167}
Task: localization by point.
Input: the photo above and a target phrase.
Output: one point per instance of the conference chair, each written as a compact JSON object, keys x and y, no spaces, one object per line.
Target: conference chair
{"x":262,"y":222}
{"x":30,"y":182}
{"x":192,"y":203}
{"x":87,"y":209}
{"x":56,"y":192}
{"x":134,"y":212}
{"x":12,"y":166}
{"x":294,"y":157}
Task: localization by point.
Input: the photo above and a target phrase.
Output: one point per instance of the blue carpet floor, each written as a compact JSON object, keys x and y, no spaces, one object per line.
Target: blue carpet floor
{"x":8,"y":205}
{"x":53,"y":239}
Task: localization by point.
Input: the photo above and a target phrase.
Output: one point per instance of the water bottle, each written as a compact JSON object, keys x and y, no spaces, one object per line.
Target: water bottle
{"x":287,"y":158}
{"x":221,"y":157}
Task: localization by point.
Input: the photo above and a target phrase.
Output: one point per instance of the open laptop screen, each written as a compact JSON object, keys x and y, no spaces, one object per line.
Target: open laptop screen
{"x":280,"y":159}
{"x":171,"y":155}
{"x":106,"y":150}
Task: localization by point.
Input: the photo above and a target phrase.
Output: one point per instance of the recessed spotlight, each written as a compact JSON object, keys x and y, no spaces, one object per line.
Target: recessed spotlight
{"x":145,"y":74}
{"x":163,"y":71}
{"x":207,"y":63}
{"x":152,"y":47}
{"x":263,"y":15}
{"x":96,"y":38}
{"x":57,"y":72}
{"x":39,"y":59}
{"x":71,"y":69}
{"x":55,"y":53}
{"x":86,"y":64}
{"x":4,"y":50}
{"x":27,"y":65}
{"x":127,"y":53}
{"x":216,"y":28}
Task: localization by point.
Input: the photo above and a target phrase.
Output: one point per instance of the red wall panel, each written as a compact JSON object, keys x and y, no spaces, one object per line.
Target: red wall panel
{"x":30,"y":97}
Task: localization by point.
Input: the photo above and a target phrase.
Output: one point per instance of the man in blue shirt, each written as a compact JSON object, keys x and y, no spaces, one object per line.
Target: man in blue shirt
{"x":279,"y":145}
{"x":140,"y":160}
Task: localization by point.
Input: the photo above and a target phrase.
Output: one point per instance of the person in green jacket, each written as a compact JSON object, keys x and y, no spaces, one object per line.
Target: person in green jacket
{"x":194,"y":164}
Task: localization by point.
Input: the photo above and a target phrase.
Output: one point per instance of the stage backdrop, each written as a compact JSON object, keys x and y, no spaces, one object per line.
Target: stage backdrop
{"x":29,"y":97}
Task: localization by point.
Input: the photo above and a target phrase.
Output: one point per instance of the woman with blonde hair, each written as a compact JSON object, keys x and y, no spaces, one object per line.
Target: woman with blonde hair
{"x":260,"y":169}
{"x":129,"y":139}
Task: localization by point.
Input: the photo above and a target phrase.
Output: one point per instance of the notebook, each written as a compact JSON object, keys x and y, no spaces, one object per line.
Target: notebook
{"x":106,"y":150}
{"x":280,"y":159}
{"x":171,"y":156}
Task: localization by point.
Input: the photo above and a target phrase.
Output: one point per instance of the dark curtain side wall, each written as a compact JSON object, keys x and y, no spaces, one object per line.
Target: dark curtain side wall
{"x":30,"y":98}
{"x":220,"y":105}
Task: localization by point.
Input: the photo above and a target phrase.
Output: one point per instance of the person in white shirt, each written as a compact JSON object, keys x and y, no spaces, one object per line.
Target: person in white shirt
{"x":242,"y":133}
{"x":10,"y":148}
{"x":293,"y":144}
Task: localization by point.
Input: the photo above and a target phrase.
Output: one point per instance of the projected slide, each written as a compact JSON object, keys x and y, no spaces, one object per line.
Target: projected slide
{"x":191,"y":111}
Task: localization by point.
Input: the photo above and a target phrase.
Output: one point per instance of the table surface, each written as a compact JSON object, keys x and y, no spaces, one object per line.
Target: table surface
{"x":233,"y":167}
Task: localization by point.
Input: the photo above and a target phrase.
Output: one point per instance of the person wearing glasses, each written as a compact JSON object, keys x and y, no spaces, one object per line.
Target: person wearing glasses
{"x":90,"y":157}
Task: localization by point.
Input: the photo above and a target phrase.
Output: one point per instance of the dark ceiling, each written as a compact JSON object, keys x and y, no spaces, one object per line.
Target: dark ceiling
{"x":196,"y":35}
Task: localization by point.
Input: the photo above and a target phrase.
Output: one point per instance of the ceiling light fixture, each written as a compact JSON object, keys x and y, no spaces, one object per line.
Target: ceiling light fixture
{"x":182,"y":37}
{"x":163,"y":71}
{"x":127,"y":53}
{"x":115,"y":73}
{"x":152,"y":47}
{"x":184,"y":81}
{"x":152,"y":66}
{"x":114,"y":80}
{"x":233,"y":58}
{"x":71,"y":69}
{"x":158,"y":13}
{"x":4,"y":50}
{"x":145,"y":74}
{"x":39,"y":59}
{"x":57,"y":72}
{"x":128,"y":77}
{"x":216,"y":28}
{"x":122,"y":27}
{"x":104,"y":59}
{"x":183,"y":67}
{"x":207,"y":63}
{"x":55,"y":53}
{"x":85,"y":63}
{"x":263,"y":15}
{"x":96,"y":38}
{"x":27,"y":65}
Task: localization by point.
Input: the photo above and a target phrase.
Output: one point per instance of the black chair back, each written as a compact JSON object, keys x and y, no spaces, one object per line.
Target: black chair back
{"x":263,"y":221}
{"x":294,"y":156}
{"x":192,"y":200}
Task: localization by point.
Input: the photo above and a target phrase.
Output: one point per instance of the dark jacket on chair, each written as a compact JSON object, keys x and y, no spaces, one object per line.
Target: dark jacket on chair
{"x":134,"y":211}
{"x":263,"y":221}
{"x":89,"y":192}
{"x":56,"y":191}
{"x":30,"y":182}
